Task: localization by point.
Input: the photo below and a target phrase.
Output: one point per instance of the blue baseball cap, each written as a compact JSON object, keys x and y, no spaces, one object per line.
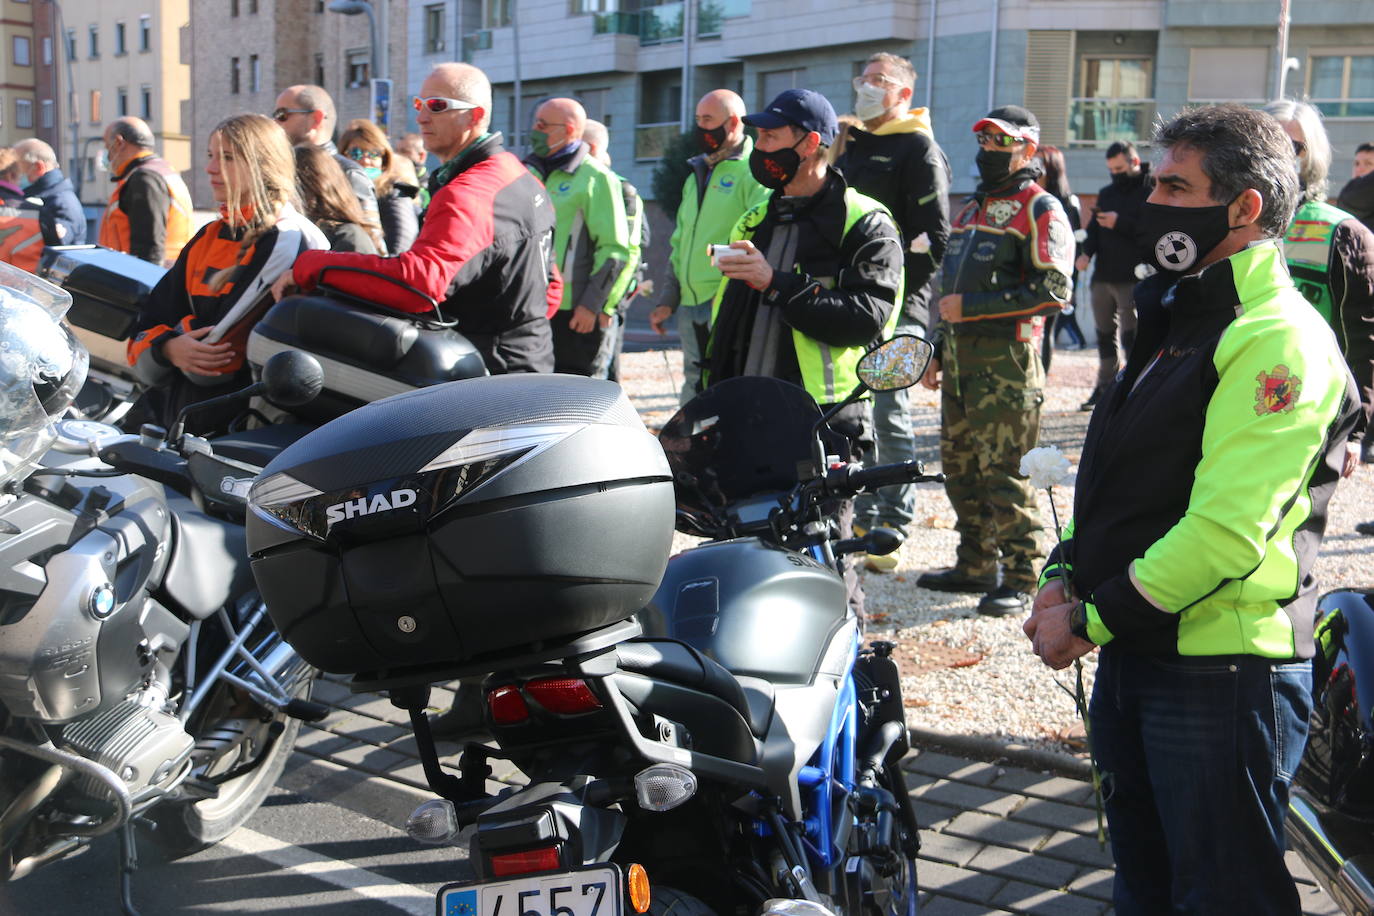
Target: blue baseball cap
{"x":799,"y":108}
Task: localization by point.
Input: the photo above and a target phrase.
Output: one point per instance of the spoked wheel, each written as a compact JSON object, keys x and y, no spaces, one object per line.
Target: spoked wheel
{"x":256,"y":749}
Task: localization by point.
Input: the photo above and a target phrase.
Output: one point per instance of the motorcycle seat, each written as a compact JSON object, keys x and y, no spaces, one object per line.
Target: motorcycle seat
{"x":680,"y":664}
{"x":259,"y":446}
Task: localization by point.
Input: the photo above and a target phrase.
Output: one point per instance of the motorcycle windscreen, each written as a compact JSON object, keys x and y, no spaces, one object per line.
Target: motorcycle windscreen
{"x":739,"y":438}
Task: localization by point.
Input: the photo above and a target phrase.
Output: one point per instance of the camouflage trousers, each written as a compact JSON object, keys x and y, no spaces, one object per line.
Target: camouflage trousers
{"x":991,"y":392}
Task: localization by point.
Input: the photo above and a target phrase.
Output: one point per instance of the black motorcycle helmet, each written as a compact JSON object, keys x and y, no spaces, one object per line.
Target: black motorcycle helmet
{"x":42,"y":367}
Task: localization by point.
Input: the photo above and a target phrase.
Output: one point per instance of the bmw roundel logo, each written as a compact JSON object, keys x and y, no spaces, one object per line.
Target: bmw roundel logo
{"x":1175,"y":251}
{"x":564,"y":187}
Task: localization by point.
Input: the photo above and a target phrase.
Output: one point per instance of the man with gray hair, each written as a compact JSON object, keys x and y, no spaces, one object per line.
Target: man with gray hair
{"x":149,"y":213}
{"x":60,"y":215}
{"x":1201,"y":502}
{"x":484,"y":248}
{"x":1331,"y":257}
{"x":307,"y":115}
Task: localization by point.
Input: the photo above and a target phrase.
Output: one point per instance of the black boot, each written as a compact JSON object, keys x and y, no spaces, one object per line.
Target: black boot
{"x":955,"y":579}
{"x":1003,"y":601}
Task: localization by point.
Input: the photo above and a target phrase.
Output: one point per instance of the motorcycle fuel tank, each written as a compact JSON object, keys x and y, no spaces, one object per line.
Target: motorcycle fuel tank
{"x":757,"y":609}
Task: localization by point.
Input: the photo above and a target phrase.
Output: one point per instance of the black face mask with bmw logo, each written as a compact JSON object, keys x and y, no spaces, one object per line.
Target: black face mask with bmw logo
{"x":1177,"y":238}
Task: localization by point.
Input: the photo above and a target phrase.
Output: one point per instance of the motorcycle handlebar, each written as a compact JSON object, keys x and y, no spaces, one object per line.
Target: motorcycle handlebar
{"x":850,"y":479}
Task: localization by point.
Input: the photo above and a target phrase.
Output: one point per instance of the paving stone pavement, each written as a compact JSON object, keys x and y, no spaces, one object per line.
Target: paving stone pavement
{"x":995,"y":838}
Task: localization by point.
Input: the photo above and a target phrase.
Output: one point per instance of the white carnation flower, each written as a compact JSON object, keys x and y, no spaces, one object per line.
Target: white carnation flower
{"x":1080,"y":235}
{"x":920,"y":244}
{"x":1046,"y":466}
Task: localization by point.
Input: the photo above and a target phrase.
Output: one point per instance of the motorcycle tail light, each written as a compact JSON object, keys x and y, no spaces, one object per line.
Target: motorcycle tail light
{"x":507,"y":706}
{"x":563,"y":695}
{"x":523,"y":863}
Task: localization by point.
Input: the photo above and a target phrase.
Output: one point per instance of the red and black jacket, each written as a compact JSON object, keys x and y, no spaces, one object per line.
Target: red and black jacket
{"x":485,"y":249}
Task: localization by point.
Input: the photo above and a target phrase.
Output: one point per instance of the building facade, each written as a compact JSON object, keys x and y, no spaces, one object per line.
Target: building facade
{"x":1094,"y":71}
{"x":22,"y":88}
{"x":115,"y":60}
{"x":244,"y":52}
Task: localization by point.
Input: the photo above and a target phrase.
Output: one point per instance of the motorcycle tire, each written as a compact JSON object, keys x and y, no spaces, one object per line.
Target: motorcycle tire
{"x":669,"y":901}
{"x":190,"y":826}
{"x":903,"y":900}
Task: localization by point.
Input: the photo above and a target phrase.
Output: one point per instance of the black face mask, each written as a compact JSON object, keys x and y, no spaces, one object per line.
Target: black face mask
{"x":1121,"y":179}
{"x":1177,"y":238}
{"x":711,"y":140}
{"x":774,"y":170}
{"x":994,"y":166}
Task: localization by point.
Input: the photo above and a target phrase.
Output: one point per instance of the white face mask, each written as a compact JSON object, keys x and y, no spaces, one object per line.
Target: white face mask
{"x":870,"y":102}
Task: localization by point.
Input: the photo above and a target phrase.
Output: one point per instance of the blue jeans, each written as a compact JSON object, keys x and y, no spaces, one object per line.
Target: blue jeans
{"x":1197,"y":755}
{"x":891,"y":507}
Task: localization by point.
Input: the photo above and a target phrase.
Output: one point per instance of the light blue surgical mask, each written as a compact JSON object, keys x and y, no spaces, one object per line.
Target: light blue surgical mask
{"x":372,"y":172}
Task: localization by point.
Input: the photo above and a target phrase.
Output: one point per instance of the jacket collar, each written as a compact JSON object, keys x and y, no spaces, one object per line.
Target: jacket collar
{"x":1016,"y":182}
{"x":1248,"y":275}
{"x":742,"y":151}
{"x":139,"y":159}
{"x":479,"y":151}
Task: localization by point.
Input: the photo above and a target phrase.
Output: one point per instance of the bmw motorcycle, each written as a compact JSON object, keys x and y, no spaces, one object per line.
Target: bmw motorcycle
{"x":1331,"y":808}
{"x":701,"y":734}
{"x":140,"y":678}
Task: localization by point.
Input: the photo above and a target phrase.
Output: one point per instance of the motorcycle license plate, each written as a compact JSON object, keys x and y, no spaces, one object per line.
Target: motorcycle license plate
{"x":594,"y":891}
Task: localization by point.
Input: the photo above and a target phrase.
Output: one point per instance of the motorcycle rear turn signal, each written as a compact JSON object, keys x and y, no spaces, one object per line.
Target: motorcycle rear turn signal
{"x":637,"y":885}
{"x":664,"y":786}
{"x":507,"y":706}
{"x":434,"y":822}
{"x":524,"y":863}
{"x":563,"y":695}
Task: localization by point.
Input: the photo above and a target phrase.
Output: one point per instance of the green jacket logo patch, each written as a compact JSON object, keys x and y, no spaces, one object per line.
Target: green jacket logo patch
{"x":1277,"y":392}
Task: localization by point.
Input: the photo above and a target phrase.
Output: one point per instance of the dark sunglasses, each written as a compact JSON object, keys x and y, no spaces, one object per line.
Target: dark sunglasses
{"x":997,"y":138}
{"x":281,"y":114}
{"x":358,"y":154}
{"x":438,"y":104}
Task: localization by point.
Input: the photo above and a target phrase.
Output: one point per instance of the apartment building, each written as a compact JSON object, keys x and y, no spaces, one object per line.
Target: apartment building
{"x":26,"y":89}
{"x":1094,"y":71}
{"x":116,"y":60}
{"x":244,"y":52}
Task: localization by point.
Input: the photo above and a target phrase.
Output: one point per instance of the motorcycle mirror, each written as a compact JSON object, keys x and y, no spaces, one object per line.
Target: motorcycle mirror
{"x":895,"y":364}
{"x":292,"y":378}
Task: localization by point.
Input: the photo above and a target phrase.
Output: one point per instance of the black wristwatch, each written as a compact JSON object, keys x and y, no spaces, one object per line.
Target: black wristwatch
{"x":1078,"y":621}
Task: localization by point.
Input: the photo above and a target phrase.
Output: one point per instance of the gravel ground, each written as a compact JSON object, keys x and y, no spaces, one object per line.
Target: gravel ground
{"x":969,"y":675}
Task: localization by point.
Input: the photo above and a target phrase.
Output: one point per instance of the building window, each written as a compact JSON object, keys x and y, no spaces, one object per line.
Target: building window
{"x":319,"y":69}
{"x":71,"y":44}
{"x":46,"y":115}
{"x":660,"y":113}
{"x":1115,"y":101}
{"x":582,"y":7}
{"x":233,"y":7}
{"x":356,"y":69}
{"x":434,"y":28}
{"x":121,"y":40}
{"x":23,"y":112}
{"x":1342,"y":85}
{"x":21,"y":53}
{"x":145,"y":102}
{"x":95,"y":107}
{"x":775,"y":81}
{"x":233,"y":76}
{"x":252,"y":7}
{"x":94,"y":48}
{"x":121,"y":102}
{"x":495,"y":14}
{"x":254,"y":74}
{"x":596,"y":102}
{"x":145,"y":33}
{"x":1228,"y":74}
{"x":47,"y":51}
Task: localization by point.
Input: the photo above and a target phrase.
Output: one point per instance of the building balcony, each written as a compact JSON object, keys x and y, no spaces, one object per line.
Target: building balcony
{"x":1098,"y":123}
{"x":658,"y":24}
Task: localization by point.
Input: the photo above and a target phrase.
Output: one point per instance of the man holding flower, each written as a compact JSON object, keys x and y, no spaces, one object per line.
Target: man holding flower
{"x":1200,"y":504}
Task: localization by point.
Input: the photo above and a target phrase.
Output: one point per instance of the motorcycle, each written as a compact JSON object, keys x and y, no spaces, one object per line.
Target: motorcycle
{"x":141,"y":681}
{"x":701,"y":734}
{"x":1331,"y":807}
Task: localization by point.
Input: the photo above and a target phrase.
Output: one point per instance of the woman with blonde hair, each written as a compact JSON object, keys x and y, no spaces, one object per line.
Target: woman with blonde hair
{"x":365,"y":144}
{"x":328,"y":201}
{"x":192,"y":333}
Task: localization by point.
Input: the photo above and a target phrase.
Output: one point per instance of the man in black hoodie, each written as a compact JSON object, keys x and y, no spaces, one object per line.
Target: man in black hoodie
{"x":1112,"y":240}
{"x":895,"y":160}
{"x":1357,"y":197}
